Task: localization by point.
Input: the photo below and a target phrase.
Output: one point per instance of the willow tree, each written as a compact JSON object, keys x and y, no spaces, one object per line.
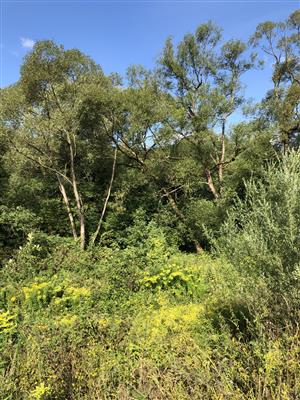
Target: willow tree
{"x":203,"y":77}
{"x":280,"y":41}
{"x":47,"y":127}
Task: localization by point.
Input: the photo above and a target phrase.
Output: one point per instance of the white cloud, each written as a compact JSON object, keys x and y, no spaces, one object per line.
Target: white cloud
{"x":27,"y":43}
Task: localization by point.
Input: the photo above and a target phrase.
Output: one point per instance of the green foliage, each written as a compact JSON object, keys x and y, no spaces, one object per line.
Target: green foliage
{"x":166,"y":279}
{"x":280,"y":40}
{"x":261,"y":234}
{"x":83,"y":335}
{"x":15,"y":225}
{"x":156,"y":166}
{"x":261,"y":238}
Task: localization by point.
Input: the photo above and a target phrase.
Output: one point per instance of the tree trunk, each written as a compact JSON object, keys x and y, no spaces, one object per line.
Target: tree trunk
{"x":107,"y":198}
{"x":67,"y":204}
{"x":198,"y":247}
{"x":77,"y":195}
{"x":211,"y":184}
{"x":222,"y":158}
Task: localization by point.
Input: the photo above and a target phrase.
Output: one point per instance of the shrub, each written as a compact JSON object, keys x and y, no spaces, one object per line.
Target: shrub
{"x":261,"y":235}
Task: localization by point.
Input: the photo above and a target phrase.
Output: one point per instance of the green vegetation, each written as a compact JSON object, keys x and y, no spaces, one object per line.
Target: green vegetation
{"x":149,"y":249}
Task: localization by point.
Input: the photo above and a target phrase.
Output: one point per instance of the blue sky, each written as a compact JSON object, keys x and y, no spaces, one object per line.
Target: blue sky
{"x":120,"y":33}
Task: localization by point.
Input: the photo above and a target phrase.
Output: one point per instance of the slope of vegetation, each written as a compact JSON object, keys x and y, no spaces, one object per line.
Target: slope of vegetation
{"x":148,"y":249}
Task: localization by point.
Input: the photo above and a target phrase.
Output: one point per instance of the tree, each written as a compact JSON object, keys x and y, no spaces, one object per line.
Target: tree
{"x":281,"y":42}
{"x":204,"y":82}
{"x":47,"y":126}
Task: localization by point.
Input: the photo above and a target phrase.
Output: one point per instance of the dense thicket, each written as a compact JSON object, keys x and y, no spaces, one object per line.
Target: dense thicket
{"x":150,"y":248}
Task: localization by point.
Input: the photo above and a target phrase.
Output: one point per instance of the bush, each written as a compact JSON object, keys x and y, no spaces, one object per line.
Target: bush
{"x":261,"y":235}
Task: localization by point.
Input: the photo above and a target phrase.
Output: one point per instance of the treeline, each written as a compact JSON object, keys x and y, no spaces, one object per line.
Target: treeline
{"x":82,"y":152}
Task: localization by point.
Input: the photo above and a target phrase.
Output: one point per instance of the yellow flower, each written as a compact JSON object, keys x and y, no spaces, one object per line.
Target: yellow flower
{"x":40,"y":392}
{"x":78,"y":292}
{"x":7,"y":322}
{"x":67,"y":320}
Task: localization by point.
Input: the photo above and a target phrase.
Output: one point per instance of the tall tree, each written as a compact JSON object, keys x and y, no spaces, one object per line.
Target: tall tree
{"x":204,"y":81}
{"x":48,"y":126}
{"x":280,"y":41}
